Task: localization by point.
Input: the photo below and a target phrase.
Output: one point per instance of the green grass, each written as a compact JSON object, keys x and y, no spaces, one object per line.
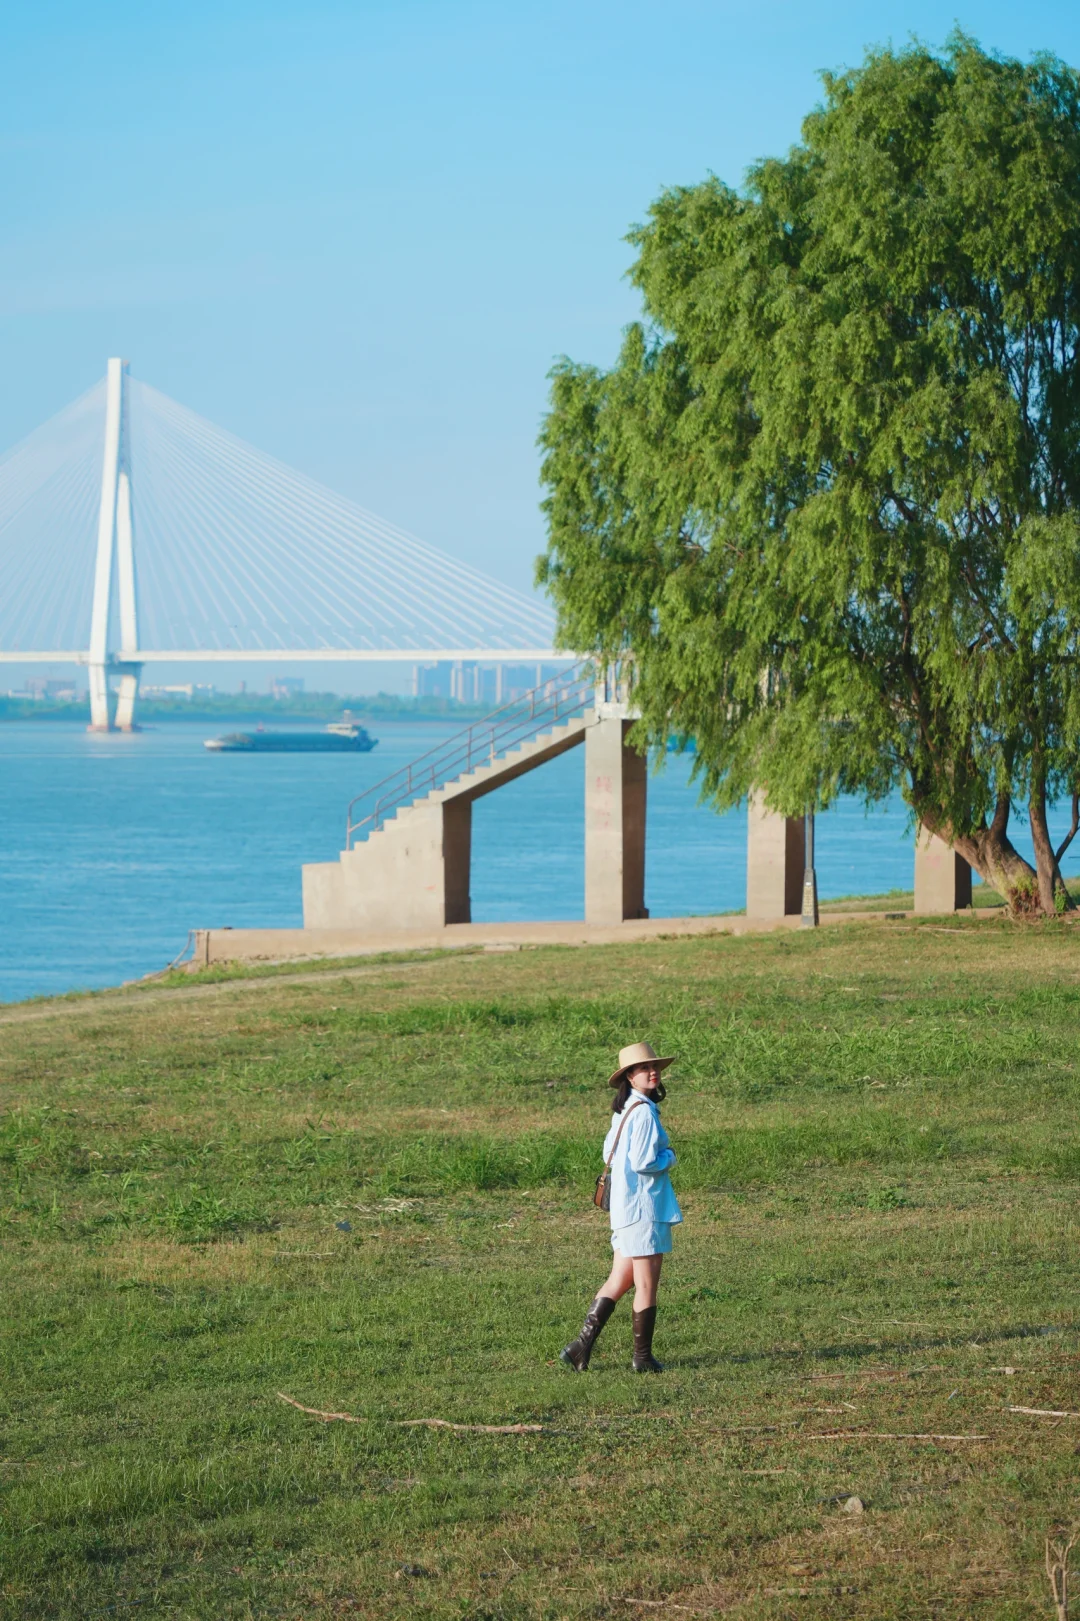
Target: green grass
{"x":219,"y":973}
{"x":369,"y":1189}
{"x":983,"y":898}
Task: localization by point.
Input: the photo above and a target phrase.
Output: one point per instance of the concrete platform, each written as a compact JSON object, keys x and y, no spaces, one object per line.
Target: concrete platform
{"x":284,"y":945}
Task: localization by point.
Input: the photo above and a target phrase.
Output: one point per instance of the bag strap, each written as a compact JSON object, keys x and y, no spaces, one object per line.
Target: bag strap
{"x":618,"y":1134}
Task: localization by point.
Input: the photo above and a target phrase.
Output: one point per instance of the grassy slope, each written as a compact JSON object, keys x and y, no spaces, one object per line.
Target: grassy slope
{"x":369,"y":1189}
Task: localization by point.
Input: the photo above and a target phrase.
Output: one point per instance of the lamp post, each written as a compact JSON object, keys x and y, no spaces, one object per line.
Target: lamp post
{"x":809,"y":918}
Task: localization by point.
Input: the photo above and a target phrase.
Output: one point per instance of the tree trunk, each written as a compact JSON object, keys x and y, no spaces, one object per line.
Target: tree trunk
{"x":991,"y":853}
{"x":1054,"y":898}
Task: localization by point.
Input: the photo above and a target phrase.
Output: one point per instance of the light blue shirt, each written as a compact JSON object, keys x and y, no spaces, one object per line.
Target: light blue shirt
{"x":641,"y":1188}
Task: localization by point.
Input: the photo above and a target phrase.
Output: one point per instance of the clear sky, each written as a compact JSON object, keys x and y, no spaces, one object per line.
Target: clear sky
{"x":358,"y":234}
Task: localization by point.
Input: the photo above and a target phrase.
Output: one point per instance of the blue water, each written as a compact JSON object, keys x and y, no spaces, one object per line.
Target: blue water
{"x":112,"y":848}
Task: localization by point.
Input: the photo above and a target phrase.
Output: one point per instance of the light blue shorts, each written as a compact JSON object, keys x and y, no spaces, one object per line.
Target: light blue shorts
{"x":643,"y":1238}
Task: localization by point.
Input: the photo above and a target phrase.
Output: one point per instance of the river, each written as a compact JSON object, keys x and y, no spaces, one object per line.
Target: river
{"x":115,"y":846}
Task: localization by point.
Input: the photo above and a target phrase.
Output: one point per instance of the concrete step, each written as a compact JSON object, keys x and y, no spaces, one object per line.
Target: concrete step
{"x":484,"y":779}
{"x":525,"y":756}
{"x":498,"y":767}
{"x":415,"y":871}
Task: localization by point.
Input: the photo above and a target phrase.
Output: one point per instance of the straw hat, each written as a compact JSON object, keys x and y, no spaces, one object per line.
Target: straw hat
{"x":639,"y":1052}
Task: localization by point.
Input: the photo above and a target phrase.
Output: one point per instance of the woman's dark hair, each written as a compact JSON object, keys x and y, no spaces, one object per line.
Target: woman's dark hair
{"x":624,"y":1089}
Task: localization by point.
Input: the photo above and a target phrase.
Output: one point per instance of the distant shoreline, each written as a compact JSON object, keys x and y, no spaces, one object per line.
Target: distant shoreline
{"x":311,"y":708}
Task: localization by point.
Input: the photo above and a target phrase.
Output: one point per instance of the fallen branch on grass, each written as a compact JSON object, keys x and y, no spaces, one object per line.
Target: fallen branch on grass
{"x":327,"y":1418}
{"x":543,"y":1429}
{"x":885,"y":1435}
{"x":1057,"y":1568}
{"x":410,"y":1423}
{"x":812,"y":1592}
{"x":666,"y":1604}
{"x":936,"y":928}
{"x":876,"y":1373}
{"x":484,"y":1429}
{"x":1041,"y":1412}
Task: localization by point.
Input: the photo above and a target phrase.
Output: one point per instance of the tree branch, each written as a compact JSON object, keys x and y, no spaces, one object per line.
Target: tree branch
{"x":980,"y":598}
{"x":1071,"y":834}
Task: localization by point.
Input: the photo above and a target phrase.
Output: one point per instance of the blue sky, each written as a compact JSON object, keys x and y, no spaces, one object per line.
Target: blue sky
{"x":358,"y":234}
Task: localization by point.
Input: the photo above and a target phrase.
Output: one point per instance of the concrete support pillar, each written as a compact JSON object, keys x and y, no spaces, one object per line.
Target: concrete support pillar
{"x":615,"y":798}
{"x":457,"y":860}
{"x":125,"y":702}
{"x":775,"y":859}
{"x":98,"y":682}
{"x":942,"y":878}
{"x":129,"y":623}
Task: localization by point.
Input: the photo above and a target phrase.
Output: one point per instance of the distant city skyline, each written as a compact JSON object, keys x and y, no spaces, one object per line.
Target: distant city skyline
{"x":359,"y":235}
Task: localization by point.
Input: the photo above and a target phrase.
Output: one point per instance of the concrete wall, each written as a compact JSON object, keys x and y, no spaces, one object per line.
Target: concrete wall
{"x":397,"y":879}
{"x":942,"y":878}
{"x":615,"y":802}
{"x":281,"y":945}
{"x":774,"y":862}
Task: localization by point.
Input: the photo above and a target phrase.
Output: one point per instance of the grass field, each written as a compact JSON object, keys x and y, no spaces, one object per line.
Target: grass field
{"x":368,"y":1188}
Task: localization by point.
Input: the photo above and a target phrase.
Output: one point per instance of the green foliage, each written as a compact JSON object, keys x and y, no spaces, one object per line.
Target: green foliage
{"x":196,"y":1215}
{"x":828,"y":496}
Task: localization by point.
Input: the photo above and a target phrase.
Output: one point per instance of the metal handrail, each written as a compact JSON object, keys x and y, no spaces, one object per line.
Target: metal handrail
{"x":481,"y":743}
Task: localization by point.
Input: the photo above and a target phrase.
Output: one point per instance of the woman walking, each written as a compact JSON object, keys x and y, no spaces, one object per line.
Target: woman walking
{"x":643,"y":1206}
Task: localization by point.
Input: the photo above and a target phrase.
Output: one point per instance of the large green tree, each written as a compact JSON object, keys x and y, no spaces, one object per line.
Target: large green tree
{"x":828,"y":496}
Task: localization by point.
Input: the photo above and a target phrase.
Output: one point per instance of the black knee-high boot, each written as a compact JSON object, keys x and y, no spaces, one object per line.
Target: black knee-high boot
{"x":644,"y":1323}
{"x":576,"y":1355}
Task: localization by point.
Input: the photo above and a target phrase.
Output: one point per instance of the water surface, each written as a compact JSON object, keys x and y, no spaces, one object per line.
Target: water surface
{"x":114,"y":847}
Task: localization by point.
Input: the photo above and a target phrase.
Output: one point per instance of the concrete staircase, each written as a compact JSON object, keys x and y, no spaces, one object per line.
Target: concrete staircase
{"x":412,"y":869}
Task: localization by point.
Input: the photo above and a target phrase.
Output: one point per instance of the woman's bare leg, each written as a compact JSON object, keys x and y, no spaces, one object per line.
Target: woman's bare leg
{"x":620,"y":1277}
{"x":646,"y":1280}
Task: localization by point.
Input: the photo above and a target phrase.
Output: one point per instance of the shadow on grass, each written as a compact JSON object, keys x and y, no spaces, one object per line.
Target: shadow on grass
{"x":850,"y":1350}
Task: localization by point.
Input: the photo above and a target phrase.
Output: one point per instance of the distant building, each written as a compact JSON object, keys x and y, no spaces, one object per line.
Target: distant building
{"x":432,"y":680}
{"x":470,"y":682}
{"x":286,"y":686}
{"x":180,"y":689}
{"x":521,"y":678}
{"x":57,"y":692}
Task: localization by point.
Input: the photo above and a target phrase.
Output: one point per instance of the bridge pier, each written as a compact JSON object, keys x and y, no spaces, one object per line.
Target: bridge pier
{"x":98,"y":683}
{"x":616,"y":779}
{"x":125,"y":703}
{"x":942,"y":878}
{"x":775,"y":861}
{"x":775,"y":857}
{"x":457,"y":860}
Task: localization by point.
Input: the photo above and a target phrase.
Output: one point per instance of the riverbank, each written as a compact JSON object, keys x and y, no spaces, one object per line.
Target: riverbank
{"x":211,"y":948}
{"x":369,"y":1189}
{"x":236,"y":706}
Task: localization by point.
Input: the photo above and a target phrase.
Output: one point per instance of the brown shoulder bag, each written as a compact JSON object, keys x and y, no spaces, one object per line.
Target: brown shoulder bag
{"x":602,"y":1192}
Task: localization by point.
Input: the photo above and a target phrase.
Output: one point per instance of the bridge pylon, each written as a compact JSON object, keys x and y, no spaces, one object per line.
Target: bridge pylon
{"x":115,"y":545}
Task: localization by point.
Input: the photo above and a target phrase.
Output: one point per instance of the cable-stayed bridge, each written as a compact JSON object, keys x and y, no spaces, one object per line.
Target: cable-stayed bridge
{"x":133,"y":531}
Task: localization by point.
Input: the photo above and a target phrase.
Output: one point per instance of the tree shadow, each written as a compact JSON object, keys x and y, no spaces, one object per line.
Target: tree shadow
{"x":850,"y":1350}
